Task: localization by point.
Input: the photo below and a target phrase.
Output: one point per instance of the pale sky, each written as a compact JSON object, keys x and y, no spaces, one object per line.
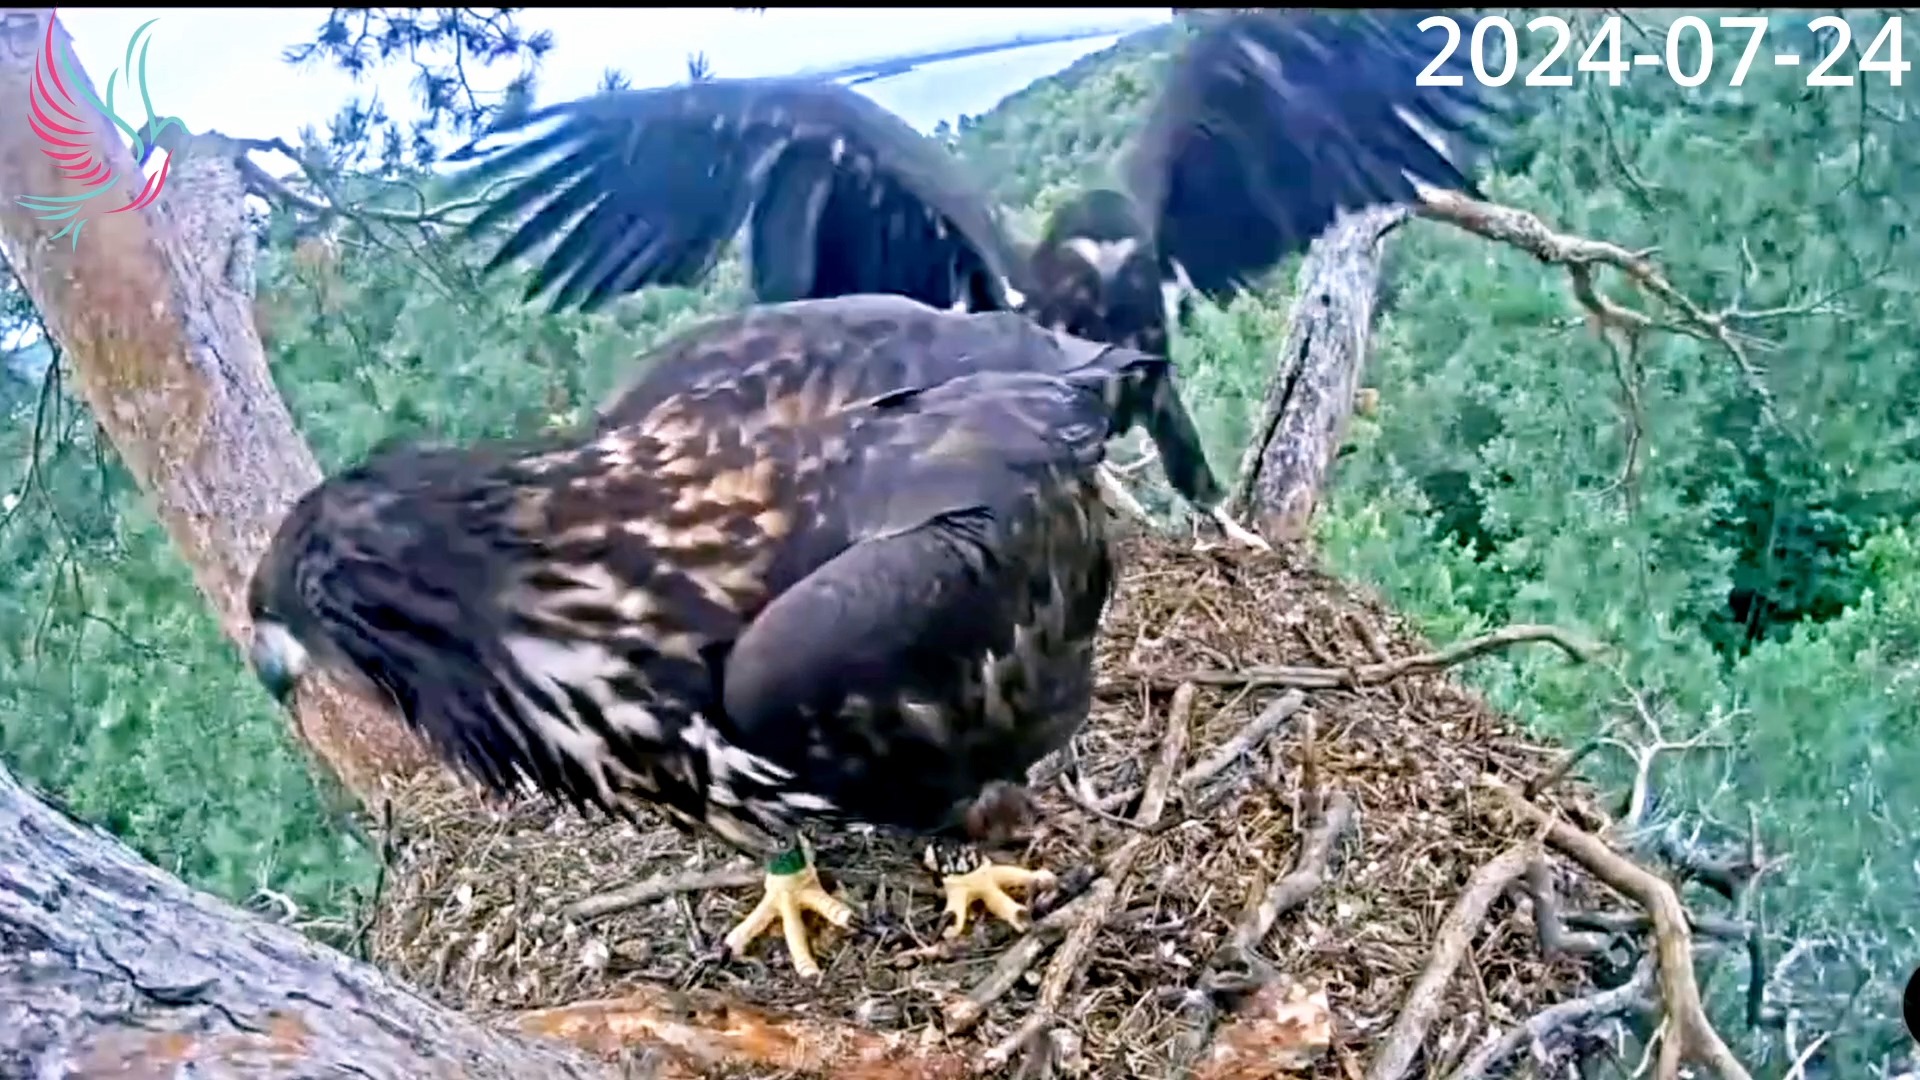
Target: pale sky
{"x":221,"y":68}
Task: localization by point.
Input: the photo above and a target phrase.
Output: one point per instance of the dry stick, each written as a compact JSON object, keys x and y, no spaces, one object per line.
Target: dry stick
{"x":1549,"y":925}
{"x":1322,"y":820}
{"x":1580,"y":255}
{"x":1235,"y":749}
{"x":1308,"y":875}
{"x":1456,"y":933}
{"x":1718,"y":927}
{"x":1546,"y":780}
{"x":1322,"y":678}
{"x":1560,"y":1021}
{"x":656,"y":888}
{"x":962,"y":1014}
{"x":1690,"y":1036}
{"x":1072,"y":957}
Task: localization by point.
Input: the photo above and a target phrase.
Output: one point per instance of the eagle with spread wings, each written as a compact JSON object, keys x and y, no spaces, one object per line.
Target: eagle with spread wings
{"x":1265,"y":126}
{"x":740,"y":608}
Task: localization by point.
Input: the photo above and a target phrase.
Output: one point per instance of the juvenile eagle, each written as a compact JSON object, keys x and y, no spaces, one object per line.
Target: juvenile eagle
{"x":1266,"y":124}
{"x":742,"y":609}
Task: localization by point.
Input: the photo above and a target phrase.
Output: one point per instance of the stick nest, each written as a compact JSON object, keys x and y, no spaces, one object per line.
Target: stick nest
{"x":474,"y":909}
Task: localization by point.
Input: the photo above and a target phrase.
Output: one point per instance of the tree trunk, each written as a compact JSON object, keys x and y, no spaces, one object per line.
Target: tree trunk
{"x":166,"y":354}
{"x":109,"y":967}
{"x":1311,"y":395}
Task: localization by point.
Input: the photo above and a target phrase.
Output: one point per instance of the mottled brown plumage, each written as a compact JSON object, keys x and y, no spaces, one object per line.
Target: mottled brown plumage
{"x":743,"y":605}
{"x":754,"y":366}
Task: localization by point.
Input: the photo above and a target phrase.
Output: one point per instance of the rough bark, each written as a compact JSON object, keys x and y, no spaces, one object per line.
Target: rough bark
{"x":110,"y":967}
{"x":164,"y":349}
{"x":1311,"y":395}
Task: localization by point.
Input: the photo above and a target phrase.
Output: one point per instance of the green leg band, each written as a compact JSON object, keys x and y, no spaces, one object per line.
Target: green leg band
{"x":789,"y":862}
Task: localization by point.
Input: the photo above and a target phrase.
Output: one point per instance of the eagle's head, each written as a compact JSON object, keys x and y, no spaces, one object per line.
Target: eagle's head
{"x":1102,"y":215}
{"x":287,"y":598}
{"x":374,"y":571}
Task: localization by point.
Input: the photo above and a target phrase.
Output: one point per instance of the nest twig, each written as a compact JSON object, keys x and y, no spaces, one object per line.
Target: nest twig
{"x":1072,"y":957}
{"x":1456,"y":934}
{"x":1428,"y":663}
{"x":1556,"y":1021}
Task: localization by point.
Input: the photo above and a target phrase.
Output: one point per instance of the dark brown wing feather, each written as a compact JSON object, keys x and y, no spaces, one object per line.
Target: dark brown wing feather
{"x":645,"y":187}
{"x":929,"y":568}
{"x":1271,"y":121}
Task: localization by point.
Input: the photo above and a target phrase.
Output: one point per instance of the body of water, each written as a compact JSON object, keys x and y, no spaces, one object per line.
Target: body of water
{"x":972,"y":85}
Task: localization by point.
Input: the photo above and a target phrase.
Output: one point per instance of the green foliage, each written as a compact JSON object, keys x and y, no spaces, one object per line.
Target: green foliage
{"x":1753,"y":555}
{"x":1751,"y":571}
{"x":448,"y":48}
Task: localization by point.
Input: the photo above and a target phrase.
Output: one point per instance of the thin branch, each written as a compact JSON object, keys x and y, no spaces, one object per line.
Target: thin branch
{"x":1456,"y":934}
{"x":1075,"y":951}
{"x":1254,"y":734}
{"x":1308,"y":875}
{"x":1320,"y":678}
{"x":1691,"y":1035}
{"x":657,"y":888}
{"x":1560,"y":1022}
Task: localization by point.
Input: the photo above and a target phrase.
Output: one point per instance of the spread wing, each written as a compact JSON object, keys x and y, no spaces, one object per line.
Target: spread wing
{"x":794,"y":363}
{"x":840,"y":196}
{"x":1270,"y":121}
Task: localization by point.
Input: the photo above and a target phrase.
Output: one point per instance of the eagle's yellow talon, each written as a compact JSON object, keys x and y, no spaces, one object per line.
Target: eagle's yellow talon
{"x":988,"y":884}
{"x":788,"y":897}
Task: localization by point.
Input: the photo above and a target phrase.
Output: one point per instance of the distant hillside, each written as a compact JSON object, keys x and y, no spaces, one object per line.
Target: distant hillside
{"x":899,"y":64}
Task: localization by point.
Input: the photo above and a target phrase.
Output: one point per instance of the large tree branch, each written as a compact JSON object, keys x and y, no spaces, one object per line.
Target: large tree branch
{"x":109,"y":967}
{"x":166,"y":354}
{"x":1311,"y":394}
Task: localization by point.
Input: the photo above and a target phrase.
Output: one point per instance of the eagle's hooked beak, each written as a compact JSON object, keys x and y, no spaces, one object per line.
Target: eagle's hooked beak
{"x":279,"y":660}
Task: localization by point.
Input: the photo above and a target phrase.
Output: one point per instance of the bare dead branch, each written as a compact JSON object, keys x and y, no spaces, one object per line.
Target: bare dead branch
{"x":1321,"y":678}
{"x":1691,"y":1036}
{"x":1545,"y":781}
{"x":1235,"y":749}
{"x":1558,"y":1022}
{"x":656,"y":888}
{"x":1634,"y":922}
{"x":1456,"y":934}
{"x":961,"y":1014}
{"x":1309,"y":873}
{"x":1549,"y":924}
{"x":1580,"y":255}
